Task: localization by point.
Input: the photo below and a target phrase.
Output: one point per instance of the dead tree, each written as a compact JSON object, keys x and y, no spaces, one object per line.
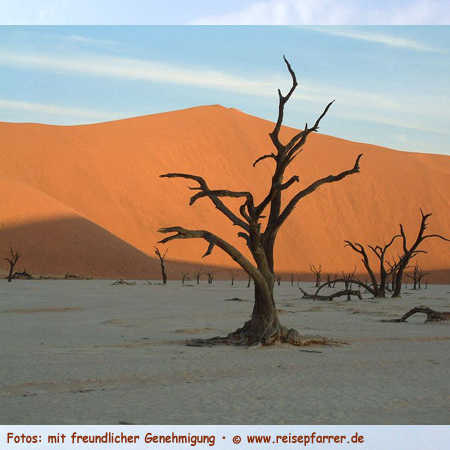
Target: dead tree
{"x":197,"y":275}
{"x":12,"y":262}
{"x":411,"y":252}
{"x":292,"y":279}
{"x":210,"y":276}
{"x":260,"y":234}
{"x":377,"y":289}
{"x":249,"y":281}
{"x":184,"y":277}
{"x":317,"y":273}
{"x":233,"y":275}
{"x":278,"y":278}
{"x":162,"y":259}
{"x":417,"y":276}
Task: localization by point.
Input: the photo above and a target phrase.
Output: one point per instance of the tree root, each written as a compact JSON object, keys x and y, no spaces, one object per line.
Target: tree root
{"x":283,"y":335}
{"x":432,"y":316}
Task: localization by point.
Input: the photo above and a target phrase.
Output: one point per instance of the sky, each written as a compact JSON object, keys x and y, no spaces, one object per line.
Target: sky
{"x":390,"y":83}
{"x":256,"y":12}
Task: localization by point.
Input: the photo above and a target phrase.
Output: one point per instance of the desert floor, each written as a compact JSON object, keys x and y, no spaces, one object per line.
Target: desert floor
{"x":88,"y":352}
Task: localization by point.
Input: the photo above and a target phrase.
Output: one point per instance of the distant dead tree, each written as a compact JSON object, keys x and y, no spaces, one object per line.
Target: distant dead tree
{"x":317,"y":273}
{"x":197,"y":275}
{"x":12,"y":262}
{"x":249,"y":281}
{"x":259,"y":224}
{"x":331,"y":281}
{"x":292,"y":279}
{"x":210,"y":276}
{"x":184,"y":277}
{"x":162,"y":259}
{"x":349,"y":279}
{"x":233,"y":275}
{"x":417,"y":276}
{"x":411,"y":252}
{"x":376,"y":288}
{"x":278,"y":278}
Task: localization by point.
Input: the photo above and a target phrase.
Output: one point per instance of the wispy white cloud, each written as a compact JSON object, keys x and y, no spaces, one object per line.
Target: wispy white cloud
{"x":140,"y":70}
{"x":57,"y":110}
{"x":83,"y":40}
{"x":332,"y":12}
{"x":384,"y":108}
{"x":385,"y":39}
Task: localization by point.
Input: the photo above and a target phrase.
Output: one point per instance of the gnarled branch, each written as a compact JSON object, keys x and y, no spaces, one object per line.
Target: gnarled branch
{"x":213,"y":240}
{"x":217,"y":202}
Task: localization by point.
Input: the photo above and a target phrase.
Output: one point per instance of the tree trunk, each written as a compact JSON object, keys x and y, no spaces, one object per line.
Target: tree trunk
{"x":163,"y":271}
{"x":397,"y":282}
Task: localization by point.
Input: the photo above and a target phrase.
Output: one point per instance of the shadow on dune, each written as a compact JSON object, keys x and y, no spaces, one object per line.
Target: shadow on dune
{"x":77,"y":246}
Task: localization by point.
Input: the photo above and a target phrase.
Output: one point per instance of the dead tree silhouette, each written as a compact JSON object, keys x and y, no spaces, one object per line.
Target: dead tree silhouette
{"x":197,"y":275}
{"x":12,"y":262}
{"x":317,"y":273}
{"x":260,"y":235}
{"x":162,"y":259}
{"x":184,"y":277}
{"x":417,"y":276}
{"x":411,"y":252}
{"x":233,"y":275}
{"x":376,"y":288}
{"x":210,"y":276}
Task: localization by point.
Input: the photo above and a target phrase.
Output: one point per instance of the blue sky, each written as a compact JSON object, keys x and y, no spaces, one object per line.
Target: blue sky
{"x":257,"y":12}
{"x":390,"y":83}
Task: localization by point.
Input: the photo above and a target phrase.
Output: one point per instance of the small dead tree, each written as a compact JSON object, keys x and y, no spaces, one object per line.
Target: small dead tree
{"x":233,"y":275}
{"x":258,"y":233}
{"x":317,"y":273}
{"x":417,"y":276}
{"x":249,"y":281}
{"x":411,"y":252}
{"x":197,"y":275}
{"x":162,"y":259}
{"x":185,"y":277}
{"x":278,"y":278}
{"x":292,"y":279}
{"x":349,"y":279}
{"x":210,"y":276}
{"x":12,"y":262}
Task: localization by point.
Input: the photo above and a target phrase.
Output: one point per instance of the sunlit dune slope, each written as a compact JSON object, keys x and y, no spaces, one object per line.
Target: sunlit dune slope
{"x":89,"y":198}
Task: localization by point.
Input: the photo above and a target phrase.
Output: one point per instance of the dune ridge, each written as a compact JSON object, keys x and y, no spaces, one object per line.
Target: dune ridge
{"x":69,"y":192}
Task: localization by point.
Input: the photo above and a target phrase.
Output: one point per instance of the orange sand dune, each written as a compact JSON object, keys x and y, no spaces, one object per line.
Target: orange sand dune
{"x":89,"y":198}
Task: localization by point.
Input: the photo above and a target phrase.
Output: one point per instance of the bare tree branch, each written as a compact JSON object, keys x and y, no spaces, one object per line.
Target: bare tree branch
{"x":236,"y":255}
{"x":217,"y":202}
{"x":311,"y":188}
{"x":261,"y":158}
{"x":274,"y":135}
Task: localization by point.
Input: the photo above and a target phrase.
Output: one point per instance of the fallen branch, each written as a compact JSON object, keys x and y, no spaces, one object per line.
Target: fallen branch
{"x":432,"y":316}
{"x":327,"y":298}
{"x":120,"y":281}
